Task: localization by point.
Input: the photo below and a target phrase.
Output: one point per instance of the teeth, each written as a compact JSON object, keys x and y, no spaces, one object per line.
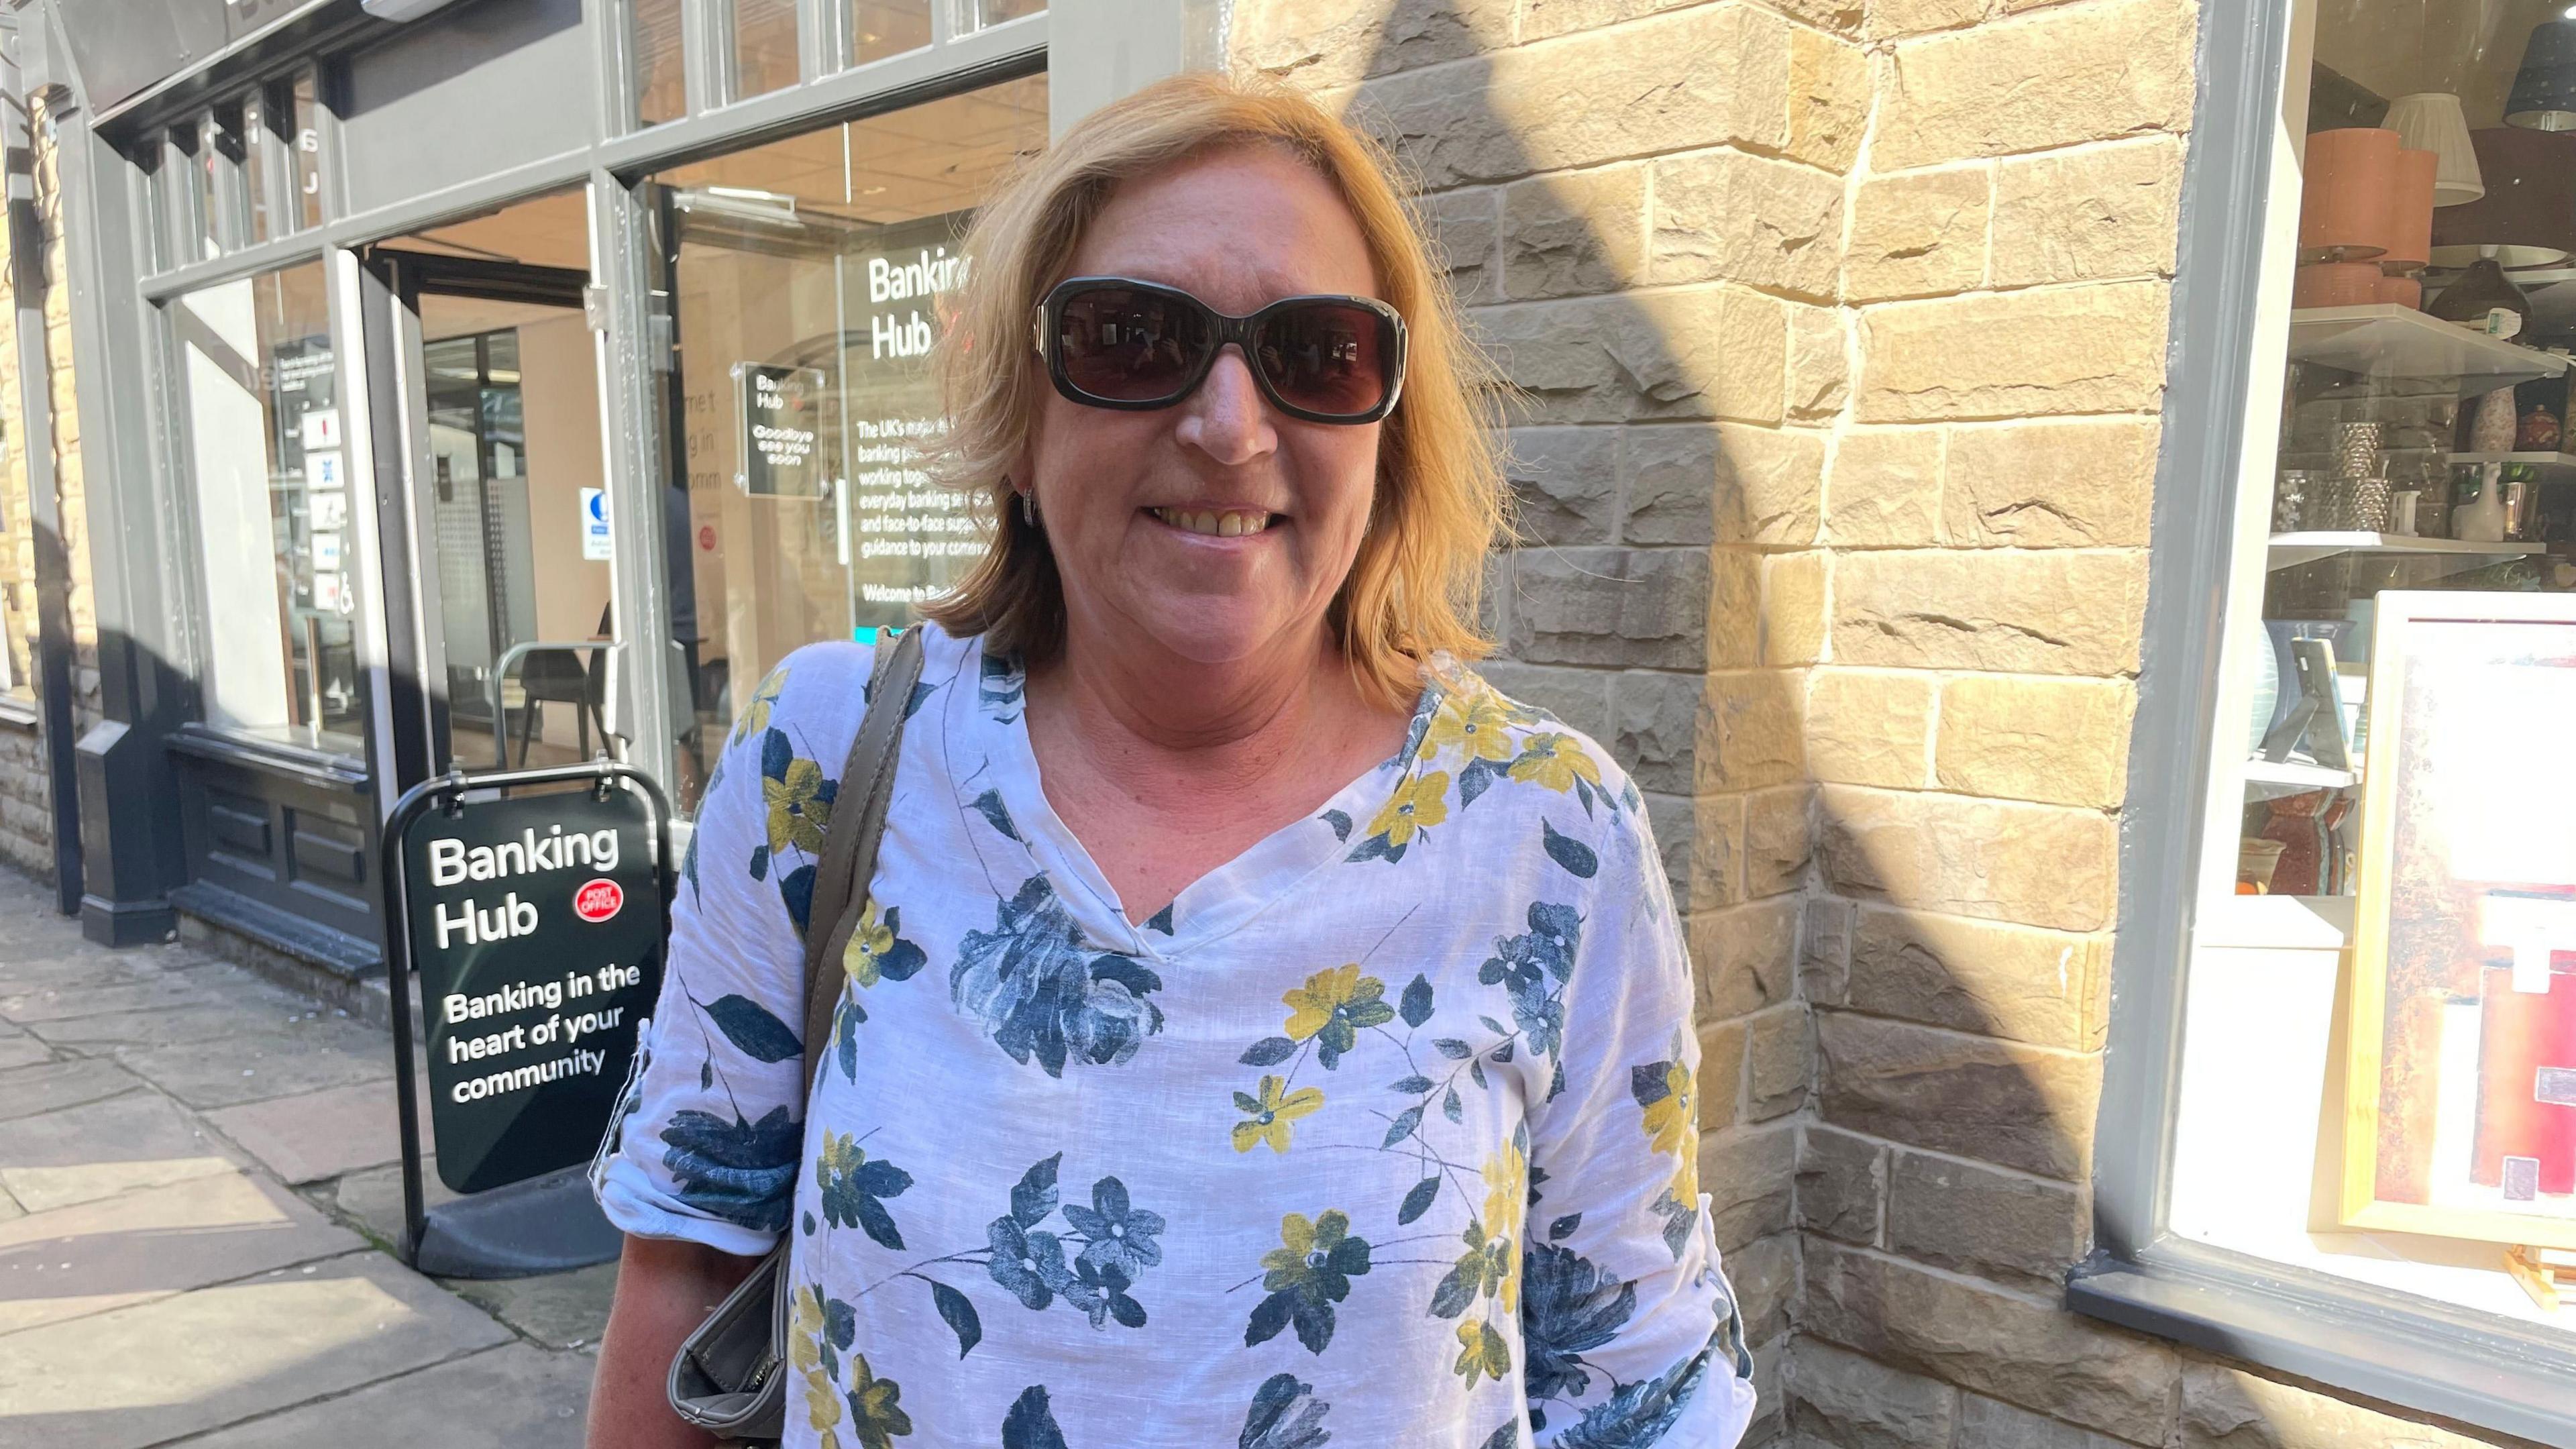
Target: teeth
{"x":1229,"y":524}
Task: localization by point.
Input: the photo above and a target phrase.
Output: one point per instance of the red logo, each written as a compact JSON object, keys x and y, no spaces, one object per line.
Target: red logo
{"x":598,"y":900}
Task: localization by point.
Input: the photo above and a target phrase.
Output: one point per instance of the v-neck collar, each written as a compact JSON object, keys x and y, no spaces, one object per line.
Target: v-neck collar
{"x":989,"y":750}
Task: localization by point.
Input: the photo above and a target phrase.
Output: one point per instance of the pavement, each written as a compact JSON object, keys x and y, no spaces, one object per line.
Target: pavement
{"x":199,"y":1197}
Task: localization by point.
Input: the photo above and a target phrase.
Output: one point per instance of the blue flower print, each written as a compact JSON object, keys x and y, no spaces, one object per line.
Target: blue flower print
{"x":1122,"y":1237}
{"x":1043,"y":994}
{"x":1028,"y":1264}
{"x":1101,"y":1293}
{"x":1285,"y":1415}
{"x":1636,"y":1416}
{"x":1568,"y":1308}
{"x":742,"y":1172}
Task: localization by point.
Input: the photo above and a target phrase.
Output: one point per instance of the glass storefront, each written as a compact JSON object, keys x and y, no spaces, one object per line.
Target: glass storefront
{"x":805,"y":277}
{"x":264,"y":444}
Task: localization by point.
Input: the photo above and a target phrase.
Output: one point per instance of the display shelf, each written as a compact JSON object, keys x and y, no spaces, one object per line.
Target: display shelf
{"x":2388,"y":339}
{"x":2291,"y":549}
{"x":2528,"y":460}
{"x":2277,"y":923}
{"x":2265,"y":779}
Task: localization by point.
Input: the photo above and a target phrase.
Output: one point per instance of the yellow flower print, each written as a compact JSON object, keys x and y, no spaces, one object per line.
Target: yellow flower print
{"x":1474,"y":722}
{"x":870,"y":940}
{"x":1416,"y":806}
{"x":1670,"y":1118}
{"x":755,"y":714}
{"x":1481,"y":1349}
{"x":876,"y":1415}
{"x":797,"y":811}
{"x":1506,"y":1203}
{"x":1271,"y":1113}
{"x":805,"y":1351}
{"x":1555,"y":761}
{"x":822,"y":1403}
{"x":1334,"y":989}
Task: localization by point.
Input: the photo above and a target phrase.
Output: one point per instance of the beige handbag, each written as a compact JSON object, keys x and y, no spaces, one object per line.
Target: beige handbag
{"x":728,"y":1375}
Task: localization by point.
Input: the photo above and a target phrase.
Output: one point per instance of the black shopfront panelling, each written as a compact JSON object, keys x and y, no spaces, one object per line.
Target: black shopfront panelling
{"x":283,"y":849}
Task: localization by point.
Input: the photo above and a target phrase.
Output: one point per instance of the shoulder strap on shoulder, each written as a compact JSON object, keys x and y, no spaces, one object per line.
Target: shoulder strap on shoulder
{"x":850,"y":840}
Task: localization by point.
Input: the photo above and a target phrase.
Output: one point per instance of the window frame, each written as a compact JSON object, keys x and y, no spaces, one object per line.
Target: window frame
{"x":2401,"y":1349}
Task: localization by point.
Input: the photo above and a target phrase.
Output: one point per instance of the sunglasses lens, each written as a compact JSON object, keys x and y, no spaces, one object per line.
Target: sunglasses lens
{"x":1327,"y":357}
{"x":1126,"y":345}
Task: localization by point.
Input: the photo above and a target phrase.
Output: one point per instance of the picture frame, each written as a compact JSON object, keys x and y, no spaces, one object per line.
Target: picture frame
{"x":2460,"y":1025}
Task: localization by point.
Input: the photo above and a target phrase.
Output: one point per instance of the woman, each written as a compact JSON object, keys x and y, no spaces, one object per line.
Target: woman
{"x":1260,"y":1030}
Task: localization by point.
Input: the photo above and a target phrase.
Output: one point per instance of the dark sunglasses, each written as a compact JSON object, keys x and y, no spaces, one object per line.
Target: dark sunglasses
{"x":1114,"y":343}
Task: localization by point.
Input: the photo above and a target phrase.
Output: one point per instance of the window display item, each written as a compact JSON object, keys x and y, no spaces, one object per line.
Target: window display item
{"x":2257,"y":860}
{"x":2461,"y":1062}
{"x":2410,"y":213}
{"x":2480,"y":518}
{"x":2353,"y":504}
{"x":2478,"y":291}
{"x":2404,"y":291}
{"x":2544,"y":90}
{"x":2496,"y":424}
{"x":2347,"y":207}
{"x":2340,"y":284}
{"x":2290,"y":499}
{"x":2401,"y":511}
{"x":2356,"y":448}
{"x":2432,"y":121}
{"x":2529,"y":211}
{"x":2537,"y":432}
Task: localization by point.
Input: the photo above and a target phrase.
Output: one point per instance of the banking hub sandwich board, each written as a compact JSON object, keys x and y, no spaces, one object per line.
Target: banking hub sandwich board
{"x":536,"y":925}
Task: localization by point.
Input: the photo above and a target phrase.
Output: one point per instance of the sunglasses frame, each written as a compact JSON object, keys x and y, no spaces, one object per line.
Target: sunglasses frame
{"x":1047,"y":328}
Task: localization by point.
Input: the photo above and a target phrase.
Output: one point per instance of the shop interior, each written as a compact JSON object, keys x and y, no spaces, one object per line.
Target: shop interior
{"x":2380,"y":1039}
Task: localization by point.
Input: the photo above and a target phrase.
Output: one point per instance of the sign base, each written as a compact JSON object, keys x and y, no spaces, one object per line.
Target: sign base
{"x":543,"y":1225}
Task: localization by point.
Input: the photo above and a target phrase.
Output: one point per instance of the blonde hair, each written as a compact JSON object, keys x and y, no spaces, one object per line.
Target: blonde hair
{"x":1414,"y":586}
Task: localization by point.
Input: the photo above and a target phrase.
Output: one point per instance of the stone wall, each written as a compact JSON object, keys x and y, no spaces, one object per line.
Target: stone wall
{"x":1839,"y":334}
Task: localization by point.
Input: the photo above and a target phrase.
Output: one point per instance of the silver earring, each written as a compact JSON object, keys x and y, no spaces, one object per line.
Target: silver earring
{"x":1029,"y":507}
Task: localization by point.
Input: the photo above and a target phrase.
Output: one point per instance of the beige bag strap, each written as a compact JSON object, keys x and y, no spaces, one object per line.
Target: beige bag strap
{"x":850,"y":840}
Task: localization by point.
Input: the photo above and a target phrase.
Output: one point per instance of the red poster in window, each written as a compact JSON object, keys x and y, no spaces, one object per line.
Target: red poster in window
{"x":2526,"y":1142}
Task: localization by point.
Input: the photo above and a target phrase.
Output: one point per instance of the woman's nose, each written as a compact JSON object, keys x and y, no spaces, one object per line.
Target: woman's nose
{"x":1227,"y":418}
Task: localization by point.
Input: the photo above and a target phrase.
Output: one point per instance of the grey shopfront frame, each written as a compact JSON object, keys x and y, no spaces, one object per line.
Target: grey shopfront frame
{"x":478,"y":104}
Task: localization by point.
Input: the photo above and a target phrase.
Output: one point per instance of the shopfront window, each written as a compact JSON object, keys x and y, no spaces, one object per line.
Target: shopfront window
{"x":806,"y":278}
{"x":272,"y":509}
{"x":764,"y":46}
{"x":304,"y":114}
{"x":655,"y":49}
{"x":2379,"y":1072}
{"x":880,"y":28}
{"x":980,"y":13}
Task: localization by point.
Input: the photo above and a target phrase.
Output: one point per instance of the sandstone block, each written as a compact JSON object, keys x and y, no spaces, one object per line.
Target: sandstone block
{"x":1725,"y":216}
{"x":1869,"y":726}
{"x":1574,"y":232}
{"x":2056,"y":484}
{"x":1992,"y":1342}
{"x":2099,"y":212}
{"x":1824,"y":950}
{"x":1750,"y":730}
{"x":1565,"y":484}
{"x":1840,"y":1398}
{"x":1975,"y":1220}
{"x":1710,"y":353}
{"x":2012,"y":1105}
{"x":1464,"y":231}
{"x":2227,"y":1408}
{"x":1322,"y":43}
{"x":1721,"y":1074}
{"x":2057,"y":612}
{"x":1579,"y":697}
{"x":1993,"y":1424}
{"x":1779,"y":839}
{"x":2088,"y":72}
{"x":1781,"y":1053}
{"x":1596,"y":606}
{"x":1883,"y":488}
{"x":1707,"y":76}
{"x":1819,"y":363}
{"x":2058,"y":741}
{"x":1715,"y":868}
{"x":1723,"y":483}
{"x":1793,"y":609}
{"x":1918,"y":234}
{"x":1744,"y":957}
{"x":1896,"y":19}
{"x":2014,"y":982}
{"x":1746,"y":1171}
{"x":1829,"y":99}
{"x":1765,"y":1275}
{"x":1842,"y":1184}
{"x":1735,"y":609}
{"x":2039,"y":865}
{"x":1687,"y":857}
{"x":1655,"y":728}
{"x":2092,"y":349}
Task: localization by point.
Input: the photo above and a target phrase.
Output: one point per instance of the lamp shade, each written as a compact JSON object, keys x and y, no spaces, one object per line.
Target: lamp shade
{"x":2529,"y":211}
{"x":2544,"y":90}
{"x":2349,"y":200}
{"x":2431,"y":121}
{"x":2410,"y":212}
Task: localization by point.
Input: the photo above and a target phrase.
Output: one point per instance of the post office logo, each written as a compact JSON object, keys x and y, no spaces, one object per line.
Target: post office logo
{"x":598,"y":900}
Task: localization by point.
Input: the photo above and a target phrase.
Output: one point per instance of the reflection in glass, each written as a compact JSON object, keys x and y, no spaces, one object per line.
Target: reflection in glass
{"x":879,"y":28}
{"x":218,"y":148}
{"x":308,"y":153}
{"x":764,"y":46}
{"x":808,"y":276}
{"x":655,"y":33}
{"x":981,"y":13}
{"x":272,"y":504}
{"x":258,"y":164}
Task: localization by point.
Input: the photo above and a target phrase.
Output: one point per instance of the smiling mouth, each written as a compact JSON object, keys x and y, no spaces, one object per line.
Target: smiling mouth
{"x":1217,"y":523}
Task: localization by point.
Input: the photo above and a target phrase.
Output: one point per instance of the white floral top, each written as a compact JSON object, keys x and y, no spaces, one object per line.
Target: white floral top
{"x":1382,"y":1134}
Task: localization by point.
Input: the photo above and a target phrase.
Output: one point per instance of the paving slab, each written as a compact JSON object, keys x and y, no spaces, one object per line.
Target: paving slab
{"x":17,"y":1049}
{"x":99,"y":1149}
{"x":198,"y":1021}
{"x":205,"y":1075}
{"x":104,"y":1255}
{"x":512,"y":1397}
{"x":36,"y":1005}
{"x":373,"y":1198}
{"x":52,"y":1086}
{"x":559,"y":1310}
{"x":316,"y":1135}
{"x":219,"y":1356}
